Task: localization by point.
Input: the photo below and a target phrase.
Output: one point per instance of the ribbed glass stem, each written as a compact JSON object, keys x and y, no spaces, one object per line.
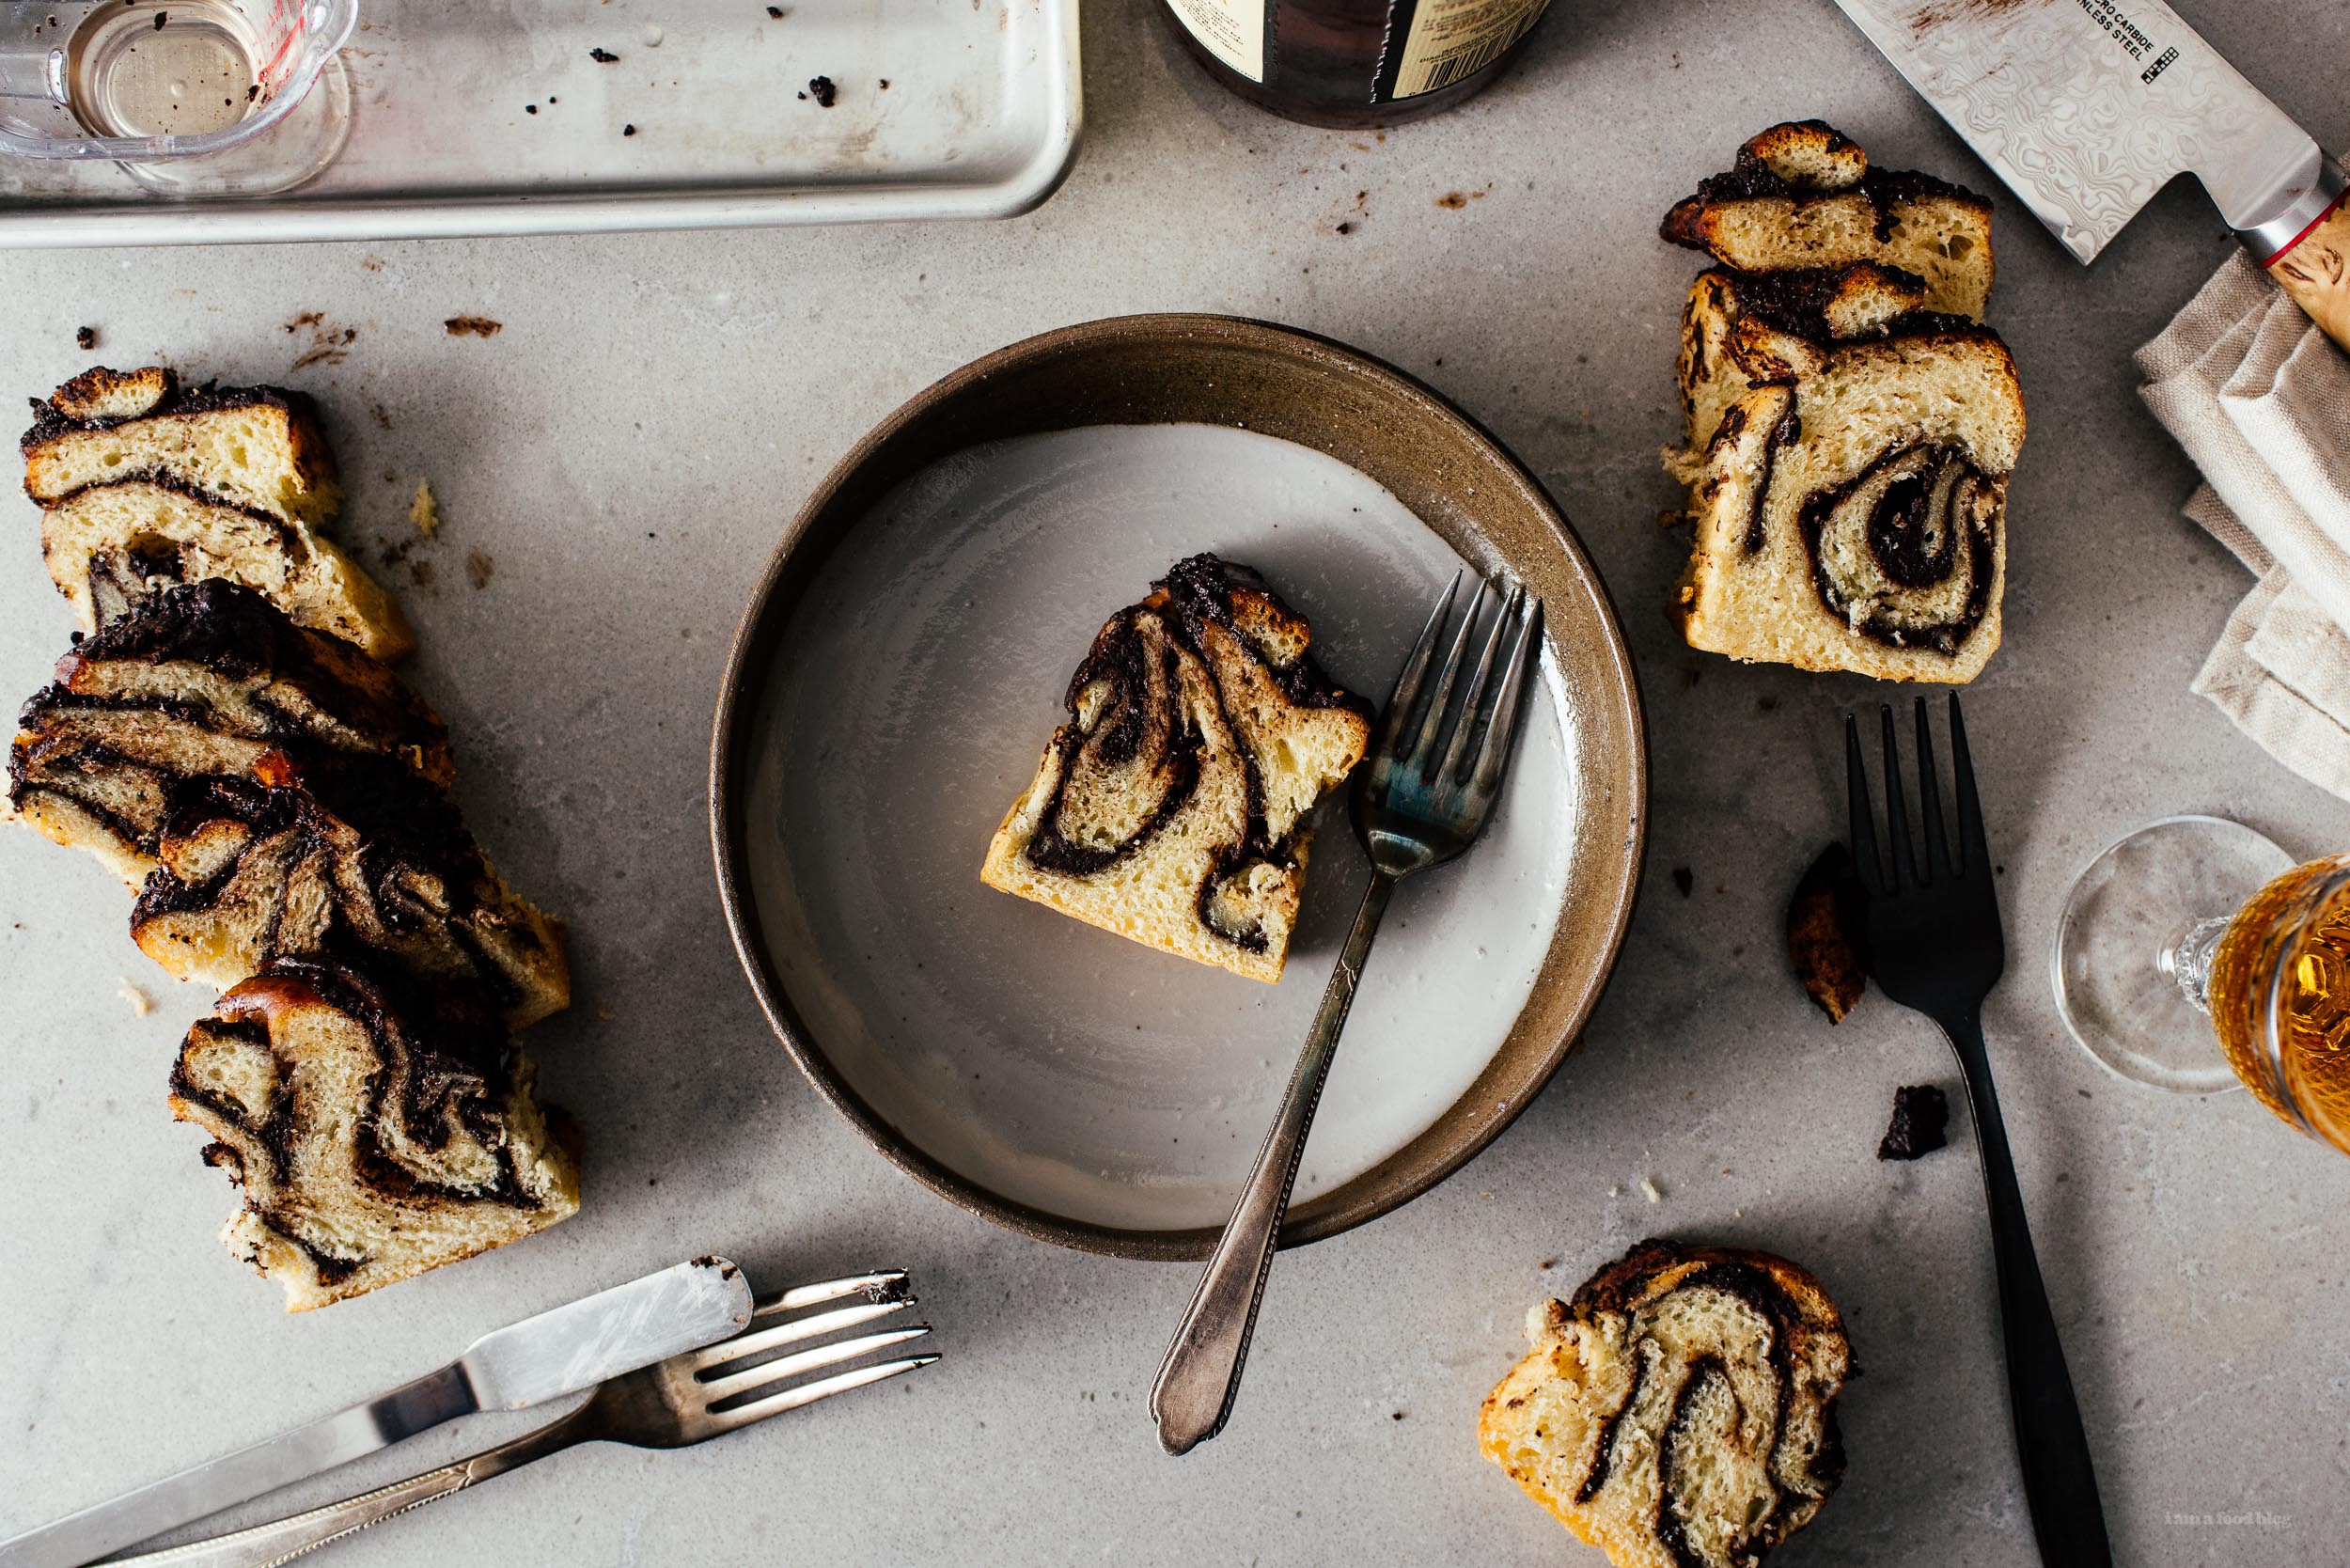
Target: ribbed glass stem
{"x":2188,"y":959}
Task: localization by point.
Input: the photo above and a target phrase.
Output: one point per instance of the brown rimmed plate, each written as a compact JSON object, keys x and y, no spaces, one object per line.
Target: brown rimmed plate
{"x":902,"y":663}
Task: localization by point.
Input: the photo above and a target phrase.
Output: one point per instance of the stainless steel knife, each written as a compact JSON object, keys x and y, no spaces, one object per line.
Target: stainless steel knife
{"x":2086,"y":108}
{"x":545,"y":1358}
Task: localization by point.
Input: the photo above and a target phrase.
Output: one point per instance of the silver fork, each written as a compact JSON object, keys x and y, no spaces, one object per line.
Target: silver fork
{"x":1433,"y":773}
{"x":670,"y":1404}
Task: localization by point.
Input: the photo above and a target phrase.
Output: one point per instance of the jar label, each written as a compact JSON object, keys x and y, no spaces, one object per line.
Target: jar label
{"x":1451,"y":40}
{"x":1231,"y":30}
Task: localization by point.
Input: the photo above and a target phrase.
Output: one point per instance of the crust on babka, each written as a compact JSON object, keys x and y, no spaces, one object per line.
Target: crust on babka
{"x":1681,"y":1411}
{"x":366,"y":857}
{"x":1855,"y":518}
{"x":201,"y":679}
{"x":254,"y":447}
{"x":1802,"y":195}
{"x":108,"y":547}
{"x":1170,"y":809}
{"x":376,"y":1132}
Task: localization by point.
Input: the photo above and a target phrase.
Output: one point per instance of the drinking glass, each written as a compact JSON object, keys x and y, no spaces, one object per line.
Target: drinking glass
{"x":2194,"y":954}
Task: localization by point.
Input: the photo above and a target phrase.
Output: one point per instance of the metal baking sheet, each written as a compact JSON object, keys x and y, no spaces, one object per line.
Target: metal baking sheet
{"x":507,"y":119}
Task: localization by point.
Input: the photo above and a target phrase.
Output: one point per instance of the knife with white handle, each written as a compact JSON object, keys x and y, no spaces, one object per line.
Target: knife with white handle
{"x":540,"y":1358}
{"x":2086,"y":108}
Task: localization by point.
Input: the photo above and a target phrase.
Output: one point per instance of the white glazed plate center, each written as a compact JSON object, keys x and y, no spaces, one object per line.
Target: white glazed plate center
{"x":1056,"y":1065}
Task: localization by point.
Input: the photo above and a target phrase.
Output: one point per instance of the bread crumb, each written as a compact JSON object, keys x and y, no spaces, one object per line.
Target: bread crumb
{"x":1649,"y":1190}
{"x":1616,"y":1191}
{"x":423,"y":510}
{"x":85,"y":337}
{"x":474,"y":326}
{"x":141,"y":1004}
{"x":605,"y":1012}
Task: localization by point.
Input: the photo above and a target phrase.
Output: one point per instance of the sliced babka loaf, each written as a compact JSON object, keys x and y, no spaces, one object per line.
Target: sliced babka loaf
{"x":201,"y":679}
{"x":143,"y":484}
{"x":378,"y":1130}
{"x":1802,"y":195}
{"x":254,"y":447}
{"x":110,"y":546}
{"x":1854,"y":518}
{"x":1171,"y":808}
{"x":1681,"y":1410}
{"x":366,"y":857}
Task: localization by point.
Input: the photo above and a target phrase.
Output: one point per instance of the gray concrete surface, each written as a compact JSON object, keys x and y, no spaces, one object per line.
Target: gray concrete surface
{"x":627,"y":450}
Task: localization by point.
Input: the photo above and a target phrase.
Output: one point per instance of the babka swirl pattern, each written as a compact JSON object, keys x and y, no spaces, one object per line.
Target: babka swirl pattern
{"x":1905,"y":552}
{"x":202,"y":680}
{"x":1681,"y":1409}
{"x":367,"y":858}
{"x":378,"y":1130}
{"x":1170,"y":807}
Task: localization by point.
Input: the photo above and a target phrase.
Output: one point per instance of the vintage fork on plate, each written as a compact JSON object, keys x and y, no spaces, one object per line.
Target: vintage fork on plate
{"x":686,"y":1400}
{"x":1424,"y":794}
{"x":1935,"y":948}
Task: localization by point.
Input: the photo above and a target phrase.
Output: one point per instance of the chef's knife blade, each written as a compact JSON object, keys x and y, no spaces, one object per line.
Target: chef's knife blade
{"x":538,"y":1358}
{"x":2086,"y":108}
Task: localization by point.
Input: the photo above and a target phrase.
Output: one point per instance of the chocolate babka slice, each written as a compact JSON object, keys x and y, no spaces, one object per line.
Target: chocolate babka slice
{"x":109,"y":547}
{"x":1854,"y":518}
{"x":202,"y":680}
{"x":377,"y":1130}
{"x":254,"y":447}
{"x":1171,"y":808}
{"x":1803,"y":194}
{"x":142,"y":483}
{"x":1744,"y":330}
{"x":1681,"y":1411}
{"x":364,"y":858}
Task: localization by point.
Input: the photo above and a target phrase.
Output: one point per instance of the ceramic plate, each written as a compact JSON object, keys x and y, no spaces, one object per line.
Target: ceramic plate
{"x":898,"y":675}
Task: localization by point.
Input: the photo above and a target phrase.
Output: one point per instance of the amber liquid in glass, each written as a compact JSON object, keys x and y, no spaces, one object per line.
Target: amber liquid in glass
{"x":2279,"y":997}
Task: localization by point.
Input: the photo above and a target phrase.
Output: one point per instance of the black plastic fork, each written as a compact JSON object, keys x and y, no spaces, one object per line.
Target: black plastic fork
{"x":1935,"y":948}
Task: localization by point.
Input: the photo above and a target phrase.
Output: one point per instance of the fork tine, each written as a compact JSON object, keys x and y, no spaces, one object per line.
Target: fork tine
{"x":1456,"y":757}
{"x":1901,"y":866}
{"x":1432,"y":727}
{"x":1937,"y":864}
{"x":889,"y":1284}
{"x":718,"y":1388}
{"x":1861,"y":811}
{"x":741,"y":1345}
{"x":1974,"y":849}
{"x":1495,"y":753}
{"x":823,"y":1388}
{"x":1406,"y":693}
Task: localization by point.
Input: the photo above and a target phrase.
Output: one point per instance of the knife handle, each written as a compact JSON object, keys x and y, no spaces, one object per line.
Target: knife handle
{"x":2314,"y":268}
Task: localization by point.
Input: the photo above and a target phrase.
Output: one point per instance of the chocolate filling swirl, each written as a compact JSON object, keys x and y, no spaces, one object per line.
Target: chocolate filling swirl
{"x":1905,"y":551}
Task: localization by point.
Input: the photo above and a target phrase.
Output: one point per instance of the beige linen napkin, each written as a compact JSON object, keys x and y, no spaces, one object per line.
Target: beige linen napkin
{"x":2260,"y":399}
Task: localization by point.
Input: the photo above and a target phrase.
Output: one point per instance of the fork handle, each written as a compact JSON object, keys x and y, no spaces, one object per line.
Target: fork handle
{"x":283,"y":1540}
{"x":2059,"y":1483}
{"x":1201,"y":1376}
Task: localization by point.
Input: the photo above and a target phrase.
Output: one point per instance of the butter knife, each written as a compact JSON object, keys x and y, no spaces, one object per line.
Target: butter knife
{"x":543,"y":1357}
{"x":2086,"y":108}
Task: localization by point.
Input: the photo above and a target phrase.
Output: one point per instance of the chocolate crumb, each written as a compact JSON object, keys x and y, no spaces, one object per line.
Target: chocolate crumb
{"x":821,"y":89}
{"x":628,"y":130}
{"x":1346,"y":228}
{"x":885,"y":83}
{"x":85,"y":337}
{"x":1685,"y":879}
{"x":473,"y":326}
{"x":602,"y":56}
{"x":530,"y":108}
{"x":1824,"y":924}
{"x":775,"y":11}
{"x":1452,"y":201}
{"x":252,"y":92}
{"x":1919,"y":1114}
{"x":162,"y":17}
